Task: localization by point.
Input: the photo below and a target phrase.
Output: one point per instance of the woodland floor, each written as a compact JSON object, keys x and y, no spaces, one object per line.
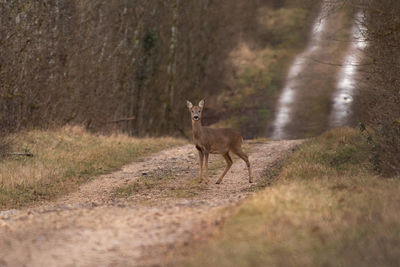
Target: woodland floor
{"x":102,"y":225}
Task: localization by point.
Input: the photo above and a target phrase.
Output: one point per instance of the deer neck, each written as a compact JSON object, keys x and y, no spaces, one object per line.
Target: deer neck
{"x":197,"y":129}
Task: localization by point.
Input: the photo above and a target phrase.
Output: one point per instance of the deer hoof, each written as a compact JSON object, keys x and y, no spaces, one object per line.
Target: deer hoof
{"x":218,"y":182}
{"x":250,"y":181}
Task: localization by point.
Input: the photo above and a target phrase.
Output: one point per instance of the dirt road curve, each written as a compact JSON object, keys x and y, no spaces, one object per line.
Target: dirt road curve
{"x":93,"y":228}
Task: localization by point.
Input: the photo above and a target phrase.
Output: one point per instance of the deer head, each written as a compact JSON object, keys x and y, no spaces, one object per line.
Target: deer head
{"x":195,"y":111}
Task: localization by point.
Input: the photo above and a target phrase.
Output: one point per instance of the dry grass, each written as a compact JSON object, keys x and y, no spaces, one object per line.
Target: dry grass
{"x":65,"y":158}
{"x":326,"y":209}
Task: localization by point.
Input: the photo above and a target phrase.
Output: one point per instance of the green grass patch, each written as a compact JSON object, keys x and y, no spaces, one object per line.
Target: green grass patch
{"x":327,"y":209}
{"x":65,"y":158}
{"x":146,"y":182}
{"x":190,"y":188}
{"x":163,"y":182}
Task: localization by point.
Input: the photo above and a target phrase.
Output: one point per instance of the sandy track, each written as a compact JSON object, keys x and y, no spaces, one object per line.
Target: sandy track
{"x":92,"y":228}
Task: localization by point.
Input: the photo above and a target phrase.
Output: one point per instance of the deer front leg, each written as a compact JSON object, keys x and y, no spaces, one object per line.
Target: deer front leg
{"x":206,"y":165}
{"x":201,"y":156}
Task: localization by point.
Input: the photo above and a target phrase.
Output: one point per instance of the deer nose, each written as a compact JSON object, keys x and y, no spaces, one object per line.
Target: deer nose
{"x":195,"y":117}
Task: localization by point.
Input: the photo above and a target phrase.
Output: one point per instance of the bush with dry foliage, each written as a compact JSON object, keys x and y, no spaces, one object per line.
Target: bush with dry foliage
{"x":4,"y":146}
{"x":380,"y":93}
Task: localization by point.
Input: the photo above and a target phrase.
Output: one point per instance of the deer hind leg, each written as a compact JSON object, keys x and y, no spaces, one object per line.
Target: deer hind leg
{"x":229,"y":163}
{"x":243,"y":156}
{"x":201,"y":157}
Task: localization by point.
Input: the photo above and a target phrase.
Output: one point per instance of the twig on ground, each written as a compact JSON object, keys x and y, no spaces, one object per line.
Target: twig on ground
{"x":27,"y":154}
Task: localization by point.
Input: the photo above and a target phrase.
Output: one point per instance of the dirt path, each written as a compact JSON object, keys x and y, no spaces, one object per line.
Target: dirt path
{"x":92,"y":227}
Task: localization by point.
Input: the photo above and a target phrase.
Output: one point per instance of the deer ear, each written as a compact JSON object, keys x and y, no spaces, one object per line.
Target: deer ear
{"x":189,"y":104}
{"x":201,"y":103}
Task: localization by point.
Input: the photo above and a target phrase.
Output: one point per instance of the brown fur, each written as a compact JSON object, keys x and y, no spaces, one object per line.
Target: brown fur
{"x":215,"y":141}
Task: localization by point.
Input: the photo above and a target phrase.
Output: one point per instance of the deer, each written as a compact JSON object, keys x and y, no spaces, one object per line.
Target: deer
{"x":215,"y":141}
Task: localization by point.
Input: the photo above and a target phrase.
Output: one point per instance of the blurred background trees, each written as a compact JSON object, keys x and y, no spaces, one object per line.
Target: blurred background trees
{"x":125,"y":65}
